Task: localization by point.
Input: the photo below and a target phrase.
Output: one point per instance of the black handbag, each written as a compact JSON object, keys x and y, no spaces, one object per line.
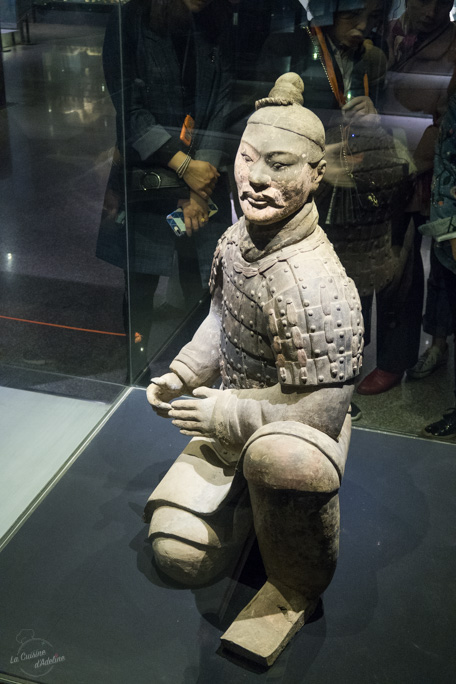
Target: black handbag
{"x":153,"y":183}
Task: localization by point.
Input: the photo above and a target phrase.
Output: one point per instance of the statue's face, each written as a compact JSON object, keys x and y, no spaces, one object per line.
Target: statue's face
{"x":273,"y":176}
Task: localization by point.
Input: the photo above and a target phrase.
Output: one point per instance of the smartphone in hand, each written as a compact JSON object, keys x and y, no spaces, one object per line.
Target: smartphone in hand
{"x":176,"y":218}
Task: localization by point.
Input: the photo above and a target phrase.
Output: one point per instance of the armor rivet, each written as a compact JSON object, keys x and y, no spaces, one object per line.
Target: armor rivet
{"x":252,"y":333}
{"x":279,"y":299}
{"x":310,"y":313}
{"x":304,"y":287}
{"x":261,"y":352}
{"x":252,"y":305}
{"x":341,"y":335}
{"x":320,"y":378}
{"x":258,"y":375}
{"x":357,"y":322}
{"x":252,"y":292}
{"x":306,"y":302}
{"x":339,"y":323}
{"x":296,"y":266}
{"x":341,"y":350}
{"x":235,"y":341}
{"x":263,"y":304}
{"x":285,"y":270}
{"x":288,"y":335}
{"x":330,"y":279}
{"x":282,"y":312}
{"x":251,"y":323}
{"x":341,"y":361}
{"x":312,"y":328}
{"x":317,"y":352}
{"x":273,"y":290}
{"x":341,"y":376}
{"x":336,"y":296}
{"x":337,"y":308}
{"x":242,"y":317}
{"x":271,"y":278}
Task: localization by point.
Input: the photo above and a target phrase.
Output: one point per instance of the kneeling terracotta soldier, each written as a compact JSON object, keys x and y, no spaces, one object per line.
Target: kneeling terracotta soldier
{"x":285,"y":333}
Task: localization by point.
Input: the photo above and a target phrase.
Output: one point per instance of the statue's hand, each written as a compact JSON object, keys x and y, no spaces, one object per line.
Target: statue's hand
{"x":161,"y":390}
{"x":194,"y":417}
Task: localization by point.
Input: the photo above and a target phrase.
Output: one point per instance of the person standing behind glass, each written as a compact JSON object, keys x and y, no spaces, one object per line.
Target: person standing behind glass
{"x":368,"y":173}
{"x":170,"y":73}
{"x":442,"y":228}
{"x":422,"y":46}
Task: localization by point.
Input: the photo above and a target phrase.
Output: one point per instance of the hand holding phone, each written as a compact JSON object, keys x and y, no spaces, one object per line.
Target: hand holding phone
{"x":176,"y":219}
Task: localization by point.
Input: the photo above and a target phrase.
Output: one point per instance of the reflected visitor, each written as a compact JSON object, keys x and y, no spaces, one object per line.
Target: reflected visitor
{"x":422,"y":53}
{"x":170,"y":87}
{"x":442,"y":228}
{"x":369,"y":173}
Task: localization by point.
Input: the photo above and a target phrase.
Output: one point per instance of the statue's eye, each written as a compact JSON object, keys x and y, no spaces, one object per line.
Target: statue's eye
{"x":277,"y":166}
{"x":246,"y":158}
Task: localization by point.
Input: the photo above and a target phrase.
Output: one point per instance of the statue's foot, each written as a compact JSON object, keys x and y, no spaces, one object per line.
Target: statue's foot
{"x":266,"y":625}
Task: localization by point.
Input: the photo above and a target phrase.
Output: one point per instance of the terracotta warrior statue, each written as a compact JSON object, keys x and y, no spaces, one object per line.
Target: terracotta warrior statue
{"x":285,"y":333}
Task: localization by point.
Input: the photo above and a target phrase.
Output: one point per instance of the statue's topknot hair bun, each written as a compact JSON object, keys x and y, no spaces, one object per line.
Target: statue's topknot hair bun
{"x":287,"y":90}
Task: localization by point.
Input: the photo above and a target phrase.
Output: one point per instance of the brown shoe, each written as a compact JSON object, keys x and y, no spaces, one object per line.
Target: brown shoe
{"x":379,"y":381}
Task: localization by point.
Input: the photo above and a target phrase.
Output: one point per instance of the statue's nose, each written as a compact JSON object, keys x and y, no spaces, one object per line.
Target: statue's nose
{"x":258,"y":175}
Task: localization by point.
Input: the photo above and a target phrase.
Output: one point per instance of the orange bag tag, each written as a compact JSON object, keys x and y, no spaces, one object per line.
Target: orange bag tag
{"x":188,"y":127}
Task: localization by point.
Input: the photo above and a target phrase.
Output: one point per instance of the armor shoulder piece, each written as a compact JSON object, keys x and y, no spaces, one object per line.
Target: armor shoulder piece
{"x":314,"y":319}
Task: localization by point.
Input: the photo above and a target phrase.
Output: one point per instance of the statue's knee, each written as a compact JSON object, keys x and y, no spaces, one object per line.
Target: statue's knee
{"x":279,"y":461}
{"x":184,"y":547}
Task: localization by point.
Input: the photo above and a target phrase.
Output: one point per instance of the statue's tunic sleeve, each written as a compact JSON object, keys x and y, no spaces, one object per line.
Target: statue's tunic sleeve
{"x":198,"y":361}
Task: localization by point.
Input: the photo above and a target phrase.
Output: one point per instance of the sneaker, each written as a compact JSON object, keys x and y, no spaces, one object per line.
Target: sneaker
{"x":428,"y":362}
{"x":444,"y":429}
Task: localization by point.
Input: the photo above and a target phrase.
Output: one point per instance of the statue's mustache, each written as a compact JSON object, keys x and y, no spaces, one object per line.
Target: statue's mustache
{"x":261,"y":197}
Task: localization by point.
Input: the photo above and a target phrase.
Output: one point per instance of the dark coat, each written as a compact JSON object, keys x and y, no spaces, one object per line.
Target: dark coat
{"x":147,"y":93}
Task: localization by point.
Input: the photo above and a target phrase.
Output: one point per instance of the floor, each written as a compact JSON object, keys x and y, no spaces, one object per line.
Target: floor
{"x":78,"y":582}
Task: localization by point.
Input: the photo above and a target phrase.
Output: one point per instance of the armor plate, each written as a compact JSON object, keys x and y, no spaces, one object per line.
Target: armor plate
{"x":292,"y":316}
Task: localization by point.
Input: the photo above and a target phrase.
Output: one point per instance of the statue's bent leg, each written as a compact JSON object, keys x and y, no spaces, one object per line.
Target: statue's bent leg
{"x":199,"y":515}
{"x":294,"y":473}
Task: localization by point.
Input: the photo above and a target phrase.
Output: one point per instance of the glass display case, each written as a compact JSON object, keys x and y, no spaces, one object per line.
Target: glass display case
{"x":118,"y":137}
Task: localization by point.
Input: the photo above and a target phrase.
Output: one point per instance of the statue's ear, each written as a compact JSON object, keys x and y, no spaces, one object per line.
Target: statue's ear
{"x":318,"y":173}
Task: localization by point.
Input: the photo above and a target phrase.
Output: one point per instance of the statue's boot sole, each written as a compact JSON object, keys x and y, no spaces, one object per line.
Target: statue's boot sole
{"x":266,"y":625}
